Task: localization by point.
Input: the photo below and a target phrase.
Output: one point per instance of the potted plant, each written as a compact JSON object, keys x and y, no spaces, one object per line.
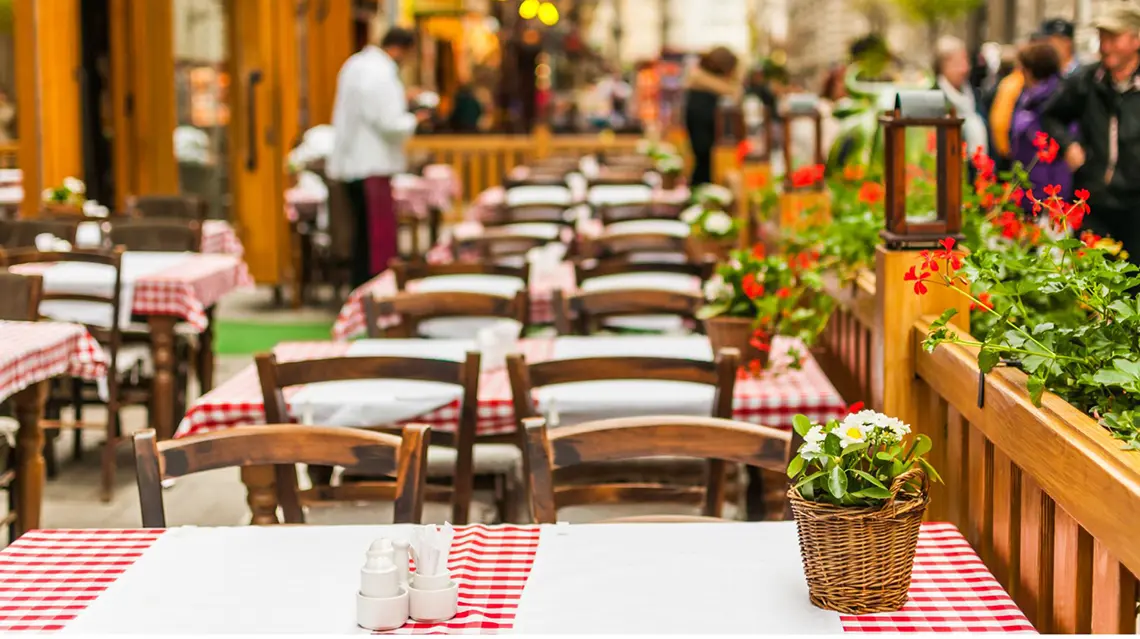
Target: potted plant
{"x":67,"y":198}
{"x":755,"y":297}
{"x":859,"y":490}
{"x":713,"y":195}
{"x":669,"y":165}
{"x":712,"y":232}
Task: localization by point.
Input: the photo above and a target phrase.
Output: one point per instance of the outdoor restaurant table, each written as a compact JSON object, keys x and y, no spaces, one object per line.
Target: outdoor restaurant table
{"x":350,"y":321}
{"x":31,"y":354}
{"x":772,"y":399}
{"x":741,"y":578}
{"x":164,"y":288}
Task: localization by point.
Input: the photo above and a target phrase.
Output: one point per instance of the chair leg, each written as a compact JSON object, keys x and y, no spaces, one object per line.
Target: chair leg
{"x":51,"y":462}
{"x":754,"y":497}
{"x":77,"y":406}
{"x":109,"y":450}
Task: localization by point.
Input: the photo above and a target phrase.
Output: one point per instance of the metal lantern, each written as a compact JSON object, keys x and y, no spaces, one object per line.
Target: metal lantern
{"x":925,"y":109}
{"x":802,"y":106}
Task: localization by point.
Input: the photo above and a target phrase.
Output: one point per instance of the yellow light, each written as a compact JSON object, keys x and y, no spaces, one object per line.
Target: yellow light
{"x":528,"y":9}
{"x":548,"y":14}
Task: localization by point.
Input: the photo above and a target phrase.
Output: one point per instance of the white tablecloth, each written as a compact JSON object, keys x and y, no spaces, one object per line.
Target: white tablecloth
{"x":619,"y":194}
{"x":97,"y":279}
{"x":552,"y":194}
{"x":676,"y":228}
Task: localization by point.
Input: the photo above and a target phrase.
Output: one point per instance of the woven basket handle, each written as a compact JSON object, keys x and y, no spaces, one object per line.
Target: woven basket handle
{"x":901,"y":481}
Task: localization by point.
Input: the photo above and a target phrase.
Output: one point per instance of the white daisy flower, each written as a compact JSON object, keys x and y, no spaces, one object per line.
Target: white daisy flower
{"x":850,"y":434}
{"x":716,"y":288}
{"x":815,"y":435}
{"x":692,"y":214}
{"x":810,"y":450}
{"x":75,"y":185}
{"x":718,"y":223}
{"x":714,"y":193}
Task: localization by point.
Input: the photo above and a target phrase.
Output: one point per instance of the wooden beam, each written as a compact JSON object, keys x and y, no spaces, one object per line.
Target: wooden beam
{"x":329,"y":42}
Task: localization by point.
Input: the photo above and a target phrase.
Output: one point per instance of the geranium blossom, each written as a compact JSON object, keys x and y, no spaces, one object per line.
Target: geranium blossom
{"x":808,"y":175}
{"x":871,"y":193}
{"x":917,"y":278}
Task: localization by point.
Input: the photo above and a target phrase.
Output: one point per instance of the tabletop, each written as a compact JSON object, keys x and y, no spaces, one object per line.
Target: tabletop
{"x":350,"y":322}
{"x":613,"y":578}
{"x":771,"y":399}
{"x":32,"y":352}
{"x":179,"y":284}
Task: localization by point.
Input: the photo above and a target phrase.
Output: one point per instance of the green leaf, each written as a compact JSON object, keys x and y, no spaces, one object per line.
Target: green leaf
{"x":869,"y":477}
{"x":884,"y":456}
{"x":810,"y":478}
{"x":922,"y":445}
{"x":801,"y":424}
{"x":795,"y":466}
{"x":709,"y":311}
{"x":1128,"y":367}
{"x":944,"y":318}
{"x":1036,"y":387}
{"x":831,"y":445}
{"x":837,"y":482}
{"x":1111,"y":377}
{"x":987,"y":359}
{"x":930,"y":472}
{"x":854,"y":448}
{"x":873,"y":492}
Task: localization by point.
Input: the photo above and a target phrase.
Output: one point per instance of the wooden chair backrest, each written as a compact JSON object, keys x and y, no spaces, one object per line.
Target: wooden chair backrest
{"x":17,"y":234}
{"x":157,"y":234}
{"x":582,"y":313}
{"x":283,"y":446}
{"x":625,"y":244}
{"x":109,"y":336}
{"x":499,"y":246}
{"x":20,"y":296}
{"x":589,"y":269}
{"x":176,"y":207}
{"x":610,"y":213}
{"x":409,"y":271}
{"x":413,"y":308}
{"x":552,"y":213}
{"x":610,"y":440}
{"x":720,"y":373}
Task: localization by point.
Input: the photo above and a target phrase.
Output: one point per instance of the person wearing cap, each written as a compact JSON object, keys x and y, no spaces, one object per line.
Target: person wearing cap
{"x":1059,"y":32}
{"x":1103,"y":99}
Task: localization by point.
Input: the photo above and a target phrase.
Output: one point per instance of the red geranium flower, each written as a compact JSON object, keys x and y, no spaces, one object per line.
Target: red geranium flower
{"x":1010,"y":225}
{"x":928,"y":263}
{"x":742,"y":151}
{"x":784,"y":293}
{"x":984,"y":303}
{"x":1082,"y":194}
{"x":808,"y":175}
{"x":1047,"y":147}
{"x":752,"y":289}
{"x":760,"y":340}
{"x":917,"y":278}
{"x":1018,"y":195}
{"x":947,"y":253}
{"x":853,"y":172}
{"x":1090,"y":239}
{"x":871,"y":193}
{"x":759,"y":251}
{"x":1052,"y":190}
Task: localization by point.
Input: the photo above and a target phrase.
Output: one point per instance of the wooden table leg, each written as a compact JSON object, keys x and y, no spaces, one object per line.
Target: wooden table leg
{"x":206,"y":355}
{"x":261,"y":489}
{"x":29,"y":456}
{"x":162,"y":394}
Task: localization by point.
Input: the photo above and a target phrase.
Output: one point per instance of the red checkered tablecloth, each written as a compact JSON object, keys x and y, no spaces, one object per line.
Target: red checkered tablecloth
{"x":185,"y":289}
{"x":32,"y":352}
{"x":772,"y":399}
{"x":48,"y":577}
{"x":350,"y":321}
{"x":219,"y":236}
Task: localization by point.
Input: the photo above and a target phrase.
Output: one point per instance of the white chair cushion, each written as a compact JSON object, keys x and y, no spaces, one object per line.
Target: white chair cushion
{"x":490,"y":459}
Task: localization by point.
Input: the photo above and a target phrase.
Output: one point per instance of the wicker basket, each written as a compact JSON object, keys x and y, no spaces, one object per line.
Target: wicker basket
{"x":735,"y":332}
{"x":859,"y":560}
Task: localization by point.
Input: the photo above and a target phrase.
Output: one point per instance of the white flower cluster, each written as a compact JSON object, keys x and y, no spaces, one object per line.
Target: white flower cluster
{"x":716,"y":289}
{"x":864,"y":426}
{"x":717,"y":223}
{"x":713,"y":193}
{"x":670,"y":164}
{"x":692,"y":214}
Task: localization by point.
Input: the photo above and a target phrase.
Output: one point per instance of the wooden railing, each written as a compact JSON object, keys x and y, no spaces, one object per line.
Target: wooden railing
{"x":482,"y":161}
{"x":1047,"y":497}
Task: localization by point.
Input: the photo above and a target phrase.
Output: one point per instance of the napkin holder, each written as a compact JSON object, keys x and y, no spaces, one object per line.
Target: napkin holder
{"x":433,"y":597}
{"x":382,"y":602}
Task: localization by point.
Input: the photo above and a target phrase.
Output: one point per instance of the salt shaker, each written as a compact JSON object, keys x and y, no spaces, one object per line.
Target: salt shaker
{"x":381,"y":602}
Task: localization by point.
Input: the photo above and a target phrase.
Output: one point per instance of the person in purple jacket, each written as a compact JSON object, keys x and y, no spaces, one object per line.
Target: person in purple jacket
{"x":1041,"y":66}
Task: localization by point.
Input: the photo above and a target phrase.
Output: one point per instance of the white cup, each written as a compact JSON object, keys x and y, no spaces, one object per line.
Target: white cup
{"x":382,"y":614}
{"x":438,"y":604}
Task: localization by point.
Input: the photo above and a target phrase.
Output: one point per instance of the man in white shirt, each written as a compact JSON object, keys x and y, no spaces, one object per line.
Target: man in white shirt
{"x":372,"y":124}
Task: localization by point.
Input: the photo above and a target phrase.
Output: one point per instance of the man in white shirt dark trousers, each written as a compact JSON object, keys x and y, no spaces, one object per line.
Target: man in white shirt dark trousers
{"x":372,"y":124}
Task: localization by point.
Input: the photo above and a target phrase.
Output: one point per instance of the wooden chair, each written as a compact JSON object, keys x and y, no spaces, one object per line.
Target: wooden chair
{"x":720,"y":374}
{"x":124,"y":362}
{"x":508,"y":249}
{"x":585,"y":313}
{"x":635,"y":246}
{"x":590,"y":269}
{"x":611,"y":213}
{"x":276,"y":376}
{"x":552,"y":213}
{"x":20,"y":296}
{"x":283,"y":446}
{"x":414,"y":308}
{"x":154,"y":234}
{"x":410,"y":271}
{"x":187,"y":208}
{"x":639,"y":437}
{"x":16,"y":234}
{"x":19,"y":301}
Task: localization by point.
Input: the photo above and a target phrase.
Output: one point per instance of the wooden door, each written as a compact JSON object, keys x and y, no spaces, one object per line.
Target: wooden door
{"x":264,"y":107}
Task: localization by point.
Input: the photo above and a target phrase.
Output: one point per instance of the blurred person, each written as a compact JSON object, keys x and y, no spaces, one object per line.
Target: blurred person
{"x":1059,"y":32}
{"x":372,"y":123}
{"x":952,"y":64}
{"x":1041,"y":65}
{"x":1103,"y":100}
{"x":467,"y":111}
{"x":712,"y":79}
